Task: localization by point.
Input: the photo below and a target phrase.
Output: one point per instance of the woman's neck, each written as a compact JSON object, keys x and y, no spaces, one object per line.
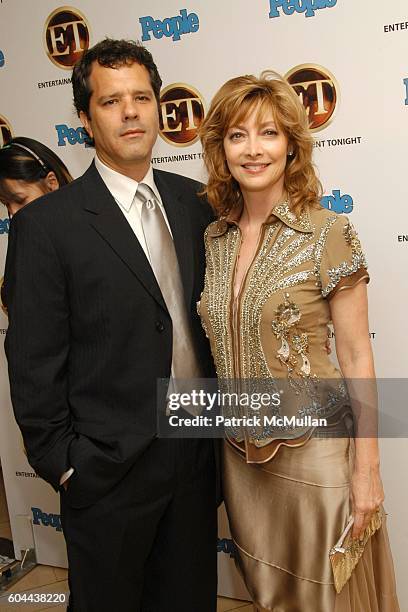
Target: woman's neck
{"x":258,"y":206}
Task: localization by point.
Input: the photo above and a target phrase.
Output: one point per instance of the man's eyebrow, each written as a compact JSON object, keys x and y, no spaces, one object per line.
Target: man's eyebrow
{"x":117,"y":94}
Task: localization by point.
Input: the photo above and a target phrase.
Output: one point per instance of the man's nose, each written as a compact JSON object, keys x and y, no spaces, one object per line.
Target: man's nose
{"x":130,"y":109}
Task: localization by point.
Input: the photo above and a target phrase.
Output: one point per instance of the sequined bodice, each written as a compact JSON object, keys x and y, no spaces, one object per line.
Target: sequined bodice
{"x":277,"y":327}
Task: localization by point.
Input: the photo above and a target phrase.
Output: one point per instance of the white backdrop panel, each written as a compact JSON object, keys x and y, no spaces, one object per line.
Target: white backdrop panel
{"x":236,"y":37}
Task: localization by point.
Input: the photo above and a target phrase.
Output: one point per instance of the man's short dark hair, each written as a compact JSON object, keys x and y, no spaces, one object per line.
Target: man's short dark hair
{"x":112,"y":54}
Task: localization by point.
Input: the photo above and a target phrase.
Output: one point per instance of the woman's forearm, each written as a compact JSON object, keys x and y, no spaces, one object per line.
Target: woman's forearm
{"x":358,"y":371}
{"x":367,"y":454}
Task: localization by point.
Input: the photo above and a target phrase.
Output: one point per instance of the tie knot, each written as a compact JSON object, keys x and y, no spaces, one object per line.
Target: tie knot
{"x":144,"y":193}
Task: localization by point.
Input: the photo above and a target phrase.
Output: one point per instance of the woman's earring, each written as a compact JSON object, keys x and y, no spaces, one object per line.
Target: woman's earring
{"x":291,"y":153}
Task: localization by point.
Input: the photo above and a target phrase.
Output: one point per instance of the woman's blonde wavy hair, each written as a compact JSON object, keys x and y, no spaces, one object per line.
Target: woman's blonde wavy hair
{"x":233,"y":102}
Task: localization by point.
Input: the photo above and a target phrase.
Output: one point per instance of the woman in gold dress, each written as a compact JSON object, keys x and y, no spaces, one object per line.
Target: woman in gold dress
{"x":280,"y":268}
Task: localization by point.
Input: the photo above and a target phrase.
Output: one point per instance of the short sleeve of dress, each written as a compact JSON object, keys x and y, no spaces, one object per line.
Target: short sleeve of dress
{"x":343,"y":262}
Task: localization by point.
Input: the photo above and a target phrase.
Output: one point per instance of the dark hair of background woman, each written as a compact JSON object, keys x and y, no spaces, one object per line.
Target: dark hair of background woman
{"x":19,"y":164}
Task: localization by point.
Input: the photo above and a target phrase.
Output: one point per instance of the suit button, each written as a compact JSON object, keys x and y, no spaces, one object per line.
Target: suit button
{"x":159,"y":326}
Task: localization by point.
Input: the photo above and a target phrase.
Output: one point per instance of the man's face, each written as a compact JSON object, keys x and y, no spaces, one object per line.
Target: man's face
{"x":123,"y":117}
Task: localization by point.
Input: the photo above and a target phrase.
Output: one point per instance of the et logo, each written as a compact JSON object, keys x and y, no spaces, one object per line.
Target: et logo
{"x":318,"y":91}
{"x":338,"y":203}
{"x":2,"y":59}
{"x":72,"y":135}
{"x":405,"y":81}
{"x":6,"y":133}
{"x":66,"y":36}
{"x":181,"y":114}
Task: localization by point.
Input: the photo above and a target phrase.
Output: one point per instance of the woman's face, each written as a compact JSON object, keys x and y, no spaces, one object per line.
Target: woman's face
{"x":256,"y":153}
{"x":22,"y":193}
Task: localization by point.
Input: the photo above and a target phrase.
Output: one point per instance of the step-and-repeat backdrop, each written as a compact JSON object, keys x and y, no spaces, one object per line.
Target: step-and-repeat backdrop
{"x":348,"y":62}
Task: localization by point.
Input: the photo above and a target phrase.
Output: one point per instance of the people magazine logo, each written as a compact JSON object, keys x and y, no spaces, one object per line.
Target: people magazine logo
{"x":46,"y":519}
{"x":72,"y":136}
{"x":66,"y":36}
{"x":170,"y":27}
{"x":318,"y":91}
{"x":338,"y":203}
{"x":182,"y":112}
{"x":226,"y":546}
{"x":6,"y":133}
{"x":4,"y":226}
{"x":306,"y":7}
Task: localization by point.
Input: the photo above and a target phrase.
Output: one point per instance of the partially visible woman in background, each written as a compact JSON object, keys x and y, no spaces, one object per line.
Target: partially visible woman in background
{"x":28,"y":170}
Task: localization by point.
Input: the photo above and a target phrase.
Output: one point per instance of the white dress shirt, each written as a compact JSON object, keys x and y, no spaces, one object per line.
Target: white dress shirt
{"x":123,"y":189}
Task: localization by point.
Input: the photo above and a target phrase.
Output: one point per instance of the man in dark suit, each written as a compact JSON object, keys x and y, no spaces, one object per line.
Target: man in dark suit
{"x":102,"y":279}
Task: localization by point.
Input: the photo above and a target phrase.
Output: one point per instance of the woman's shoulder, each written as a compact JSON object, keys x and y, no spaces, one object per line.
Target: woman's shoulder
{"x":320,"y":217}
{"x":217,"y":228}
{"x":327,"y":224}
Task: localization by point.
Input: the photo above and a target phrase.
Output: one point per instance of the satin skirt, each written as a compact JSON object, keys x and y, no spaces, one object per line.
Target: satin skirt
{"x":286,"y":514}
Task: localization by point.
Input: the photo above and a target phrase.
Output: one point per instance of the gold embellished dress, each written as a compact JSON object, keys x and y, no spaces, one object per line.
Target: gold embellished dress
{"x":287,"y":487}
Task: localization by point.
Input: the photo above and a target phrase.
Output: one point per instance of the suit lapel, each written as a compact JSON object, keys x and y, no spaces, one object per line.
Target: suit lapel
{"x":178,"y":215}
{"x":107,"y":219}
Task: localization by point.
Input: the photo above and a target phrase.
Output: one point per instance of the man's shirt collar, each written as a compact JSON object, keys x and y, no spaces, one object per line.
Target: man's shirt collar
{"x":122,"y":187}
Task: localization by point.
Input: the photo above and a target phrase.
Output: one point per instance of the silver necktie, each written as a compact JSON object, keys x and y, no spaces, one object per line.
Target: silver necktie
{"x":164,"y":263}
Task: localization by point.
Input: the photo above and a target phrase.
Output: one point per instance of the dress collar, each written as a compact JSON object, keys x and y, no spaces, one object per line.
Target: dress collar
{"x":300,"y":223}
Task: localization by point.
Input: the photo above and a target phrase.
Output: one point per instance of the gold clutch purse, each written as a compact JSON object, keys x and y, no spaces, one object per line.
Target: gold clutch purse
{"x":345,"y":555}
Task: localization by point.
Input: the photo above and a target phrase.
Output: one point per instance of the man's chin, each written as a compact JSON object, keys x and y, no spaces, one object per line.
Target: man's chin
{"x":137,"y":157}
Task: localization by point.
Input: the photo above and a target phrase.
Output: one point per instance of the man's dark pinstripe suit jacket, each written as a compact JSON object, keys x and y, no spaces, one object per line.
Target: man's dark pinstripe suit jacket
{"x":89,"y":333}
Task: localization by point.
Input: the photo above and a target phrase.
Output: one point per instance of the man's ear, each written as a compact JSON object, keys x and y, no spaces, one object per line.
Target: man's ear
{"x":51,"y":182}
{"x":86,"y":122}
